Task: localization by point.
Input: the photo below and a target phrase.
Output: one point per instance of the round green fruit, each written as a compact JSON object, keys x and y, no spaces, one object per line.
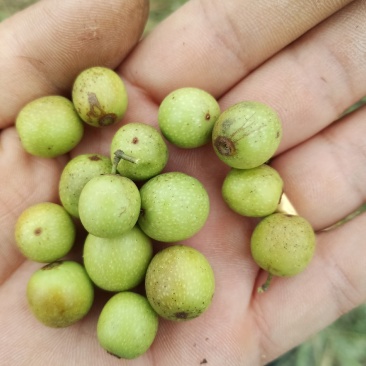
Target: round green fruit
{"x":179,"y":283}
{"x":247,"y":134}
{"x":174,"y":207}
{"x":77,"y":172}
{"x":186,"y":117}
{"x":109,"y":205}
{"x":49,"y":126}
{"x":127,"y":325}
{"x":60,"y":294}
{"x":283,"y":245}
{"x":118,"y":264}
{"x":99,"y":96}
{"x":145,"y":144}
{"x":44,"y":232}
{"x":253,"y":192}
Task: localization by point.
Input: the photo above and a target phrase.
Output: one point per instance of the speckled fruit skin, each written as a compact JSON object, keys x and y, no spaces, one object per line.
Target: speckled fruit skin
{"x":247,"y":134}
{"x":118,"y":264}
{"x":49,"y":126}
{"x":283,"y":245}
{"x":44,"y":232}
{"x":77,"y":172}
{"x":99,"y":96}
{"x":142,"y":142}
{"x":179,"y":283}
{"x":127,"y":325}
{"x":186,"y":117}
{"x":174,"y":207}
{"x":60,"y":294}
{"x":109,"y":205}
{"x":253,"y":192}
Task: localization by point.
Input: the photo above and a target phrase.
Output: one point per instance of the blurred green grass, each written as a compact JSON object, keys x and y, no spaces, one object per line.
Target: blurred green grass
{"x":343,"y":343}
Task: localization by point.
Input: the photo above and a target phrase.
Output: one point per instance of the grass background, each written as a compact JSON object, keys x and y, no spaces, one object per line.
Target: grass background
{"x":343,"y":343}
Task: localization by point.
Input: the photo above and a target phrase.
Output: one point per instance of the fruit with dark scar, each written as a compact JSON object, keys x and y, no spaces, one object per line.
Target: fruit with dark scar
{"x":99,"y":96}
{"x":247,"y":134}
{"x":179,"y":283}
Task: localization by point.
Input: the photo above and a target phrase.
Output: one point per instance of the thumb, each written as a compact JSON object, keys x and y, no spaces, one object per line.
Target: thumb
{"x":44,"y":47}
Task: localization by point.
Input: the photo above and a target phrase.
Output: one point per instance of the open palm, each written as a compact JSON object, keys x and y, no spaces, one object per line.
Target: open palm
{"x":305,"y":59}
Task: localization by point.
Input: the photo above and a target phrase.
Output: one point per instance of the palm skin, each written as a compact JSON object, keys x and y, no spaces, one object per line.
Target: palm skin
{"x":321,"y":162}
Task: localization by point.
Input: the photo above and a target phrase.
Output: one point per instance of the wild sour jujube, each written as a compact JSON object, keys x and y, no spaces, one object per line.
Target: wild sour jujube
{"x":77,"y":172}
{"x":99,"y":96}
{"x":247,"y":134}
{"x":145,"y":144}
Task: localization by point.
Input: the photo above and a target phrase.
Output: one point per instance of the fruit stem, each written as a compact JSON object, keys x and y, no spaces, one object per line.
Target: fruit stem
{"x":118,"y":155}
{"x":285,"y":206}
{"x":266,"y":284}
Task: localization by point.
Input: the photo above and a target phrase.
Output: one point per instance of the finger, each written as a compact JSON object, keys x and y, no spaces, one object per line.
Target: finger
{"x":315,"y":79}
{"x":213,"y":44}
{"x":325,"y":176}
{"x":26,"y":180}
{"x":43,"y":48}
{"x":333,"y":284}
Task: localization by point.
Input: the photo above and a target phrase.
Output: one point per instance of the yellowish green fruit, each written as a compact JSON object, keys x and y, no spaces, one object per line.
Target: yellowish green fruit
{"x":127,"y":325}
{"x":45,"y":232}
{"x":174,"y":207}
{"x":118,"y":264}
{"x":179,"y":283}
{"x":145,"y":144}
{"x":109,"y":205}
{"x":60,"y":294}
{"x":77,"y":172}
{"x":283,"y":245}
{"x":49,"y":126}
{"x":99,"y":96}
{"x":247,"y":134}
{"x":253,"y":192}
{"x":187,"y":115}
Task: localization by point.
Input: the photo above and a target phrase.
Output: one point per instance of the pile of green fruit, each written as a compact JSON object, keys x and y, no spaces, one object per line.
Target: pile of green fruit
{"x":245,"y":137}
{"x":126,"y":201}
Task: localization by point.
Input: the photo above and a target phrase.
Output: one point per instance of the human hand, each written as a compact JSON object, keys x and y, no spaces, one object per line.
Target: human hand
{"x":236,"y":51}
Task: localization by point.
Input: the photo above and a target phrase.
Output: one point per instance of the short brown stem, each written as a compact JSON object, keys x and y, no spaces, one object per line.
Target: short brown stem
{"x":266,"y":284}
{"x":118,"y":155}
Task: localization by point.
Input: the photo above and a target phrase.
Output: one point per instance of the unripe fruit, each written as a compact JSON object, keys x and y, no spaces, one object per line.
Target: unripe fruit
{"x":174,"y":207}
{"x":247,"y":134}
{"x":186,"y":117}
{"x":145,"y":144}
{"x":127,"y":325}
{"x":118,"y":264}
{"x":179,"y":283}
{"x":60,"y":294}
{"x":109,"y":205}
{"x":49,"y":126}
{"x":253,"y":192}
{"x":283,"y":245}
{"x":77,"y":172}
{"x":45,"y":232}
{"x":99,"y":96}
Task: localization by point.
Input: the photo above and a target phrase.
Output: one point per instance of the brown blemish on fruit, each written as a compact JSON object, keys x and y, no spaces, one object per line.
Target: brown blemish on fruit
{"x":107,"y":119}
{"x":96,"y":111}
{"x":203,"y":361}
{"x":181,"y":315}
{"x":38,"y":231}
{"x":51,"y":265}
{"x":225,"y":146}
{"x":208,"y":116}
{"x":135,"y":140}
{"x":94,"y":158}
